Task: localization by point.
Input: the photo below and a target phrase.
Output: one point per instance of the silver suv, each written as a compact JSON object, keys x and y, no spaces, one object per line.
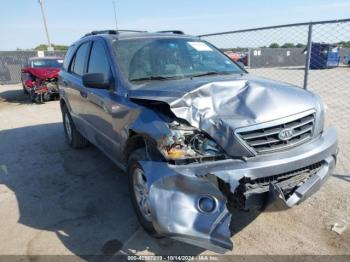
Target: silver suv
{"x":197,"y":135}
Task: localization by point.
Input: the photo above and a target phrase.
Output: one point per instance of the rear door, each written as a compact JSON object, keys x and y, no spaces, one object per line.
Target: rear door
{"x":75,"y":92}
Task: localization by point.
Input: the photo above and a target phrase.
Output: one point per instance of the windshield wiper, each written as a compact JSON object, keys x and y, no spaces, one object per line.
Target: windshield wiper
{"x":153,"y":78}
{"x":212,"y":73}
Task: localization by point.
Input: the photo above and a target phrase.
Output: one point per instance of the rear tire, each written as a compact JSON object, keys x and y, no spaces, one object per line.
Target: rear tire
{"x":135,"y":169}
{"x":73,"y":137}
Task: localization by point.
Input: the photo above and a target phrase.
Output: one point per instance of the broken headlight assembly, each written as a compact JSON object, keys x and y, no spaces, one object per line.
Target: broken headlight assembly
{"x":186,"y":142}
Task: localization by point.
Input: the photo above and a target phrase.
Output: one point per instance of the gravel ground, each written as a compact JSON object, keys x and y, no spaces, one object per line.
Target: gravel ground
{"x":55,"y":200}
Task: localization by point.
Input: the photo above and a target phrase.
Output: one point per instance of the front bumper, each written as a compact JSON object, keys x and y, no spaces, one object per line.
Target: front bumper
{"x":176,"y":190}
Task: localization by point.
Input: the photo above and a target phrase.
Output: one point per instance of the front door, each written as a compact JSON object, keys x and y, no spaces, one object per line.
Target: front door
{"x":99,"y":108}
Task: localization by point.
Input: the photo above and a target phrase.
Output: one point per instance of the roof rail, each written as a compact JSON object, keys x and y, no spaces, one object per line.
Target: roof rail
{"x":112,"y":32}
{"x":132,"y":31}
{"x":177,"y":32}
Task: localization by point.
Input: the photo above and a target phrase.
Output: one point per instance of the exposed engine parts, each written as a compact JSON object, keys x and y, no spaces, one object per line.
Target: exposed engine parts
{"x":42,"y":91}
{"x":185,"y":142}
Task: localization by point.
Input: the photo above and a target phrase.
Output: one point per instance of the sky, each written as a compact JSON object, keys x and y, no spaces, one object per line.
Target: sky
{"x":21,"y":24}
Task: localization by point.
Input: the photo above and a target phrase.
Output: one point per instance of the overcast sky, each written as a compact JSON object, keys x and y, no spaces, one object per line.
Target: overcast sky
{"x":21,"y":24}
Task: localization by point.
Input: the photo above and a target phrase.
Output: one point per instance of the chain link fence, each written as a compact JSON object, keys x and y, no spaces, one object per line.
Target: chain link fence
{"x":303,"y":54}
{"x":11,"y":63}
{"x":315,"y":56}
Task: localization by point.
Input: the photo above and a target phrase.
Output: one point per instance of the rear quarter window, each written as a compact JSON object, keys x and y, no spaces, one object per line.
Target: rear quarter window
{"x":68,"y":57}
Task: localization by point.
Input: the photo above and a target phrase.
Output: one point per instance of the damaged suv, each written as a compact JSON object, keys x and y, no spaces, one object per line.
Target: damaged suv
{"x":195,"y":132}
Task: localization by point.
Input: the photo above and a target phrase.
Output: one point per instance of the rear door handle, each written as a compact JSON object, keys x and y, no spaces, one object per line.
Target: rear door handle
{"x":83,"y":94}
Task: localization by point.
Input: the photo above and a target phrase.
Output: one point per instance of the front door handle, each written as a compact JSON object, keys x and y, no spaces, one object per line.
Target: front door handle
{"x":83,"y":94}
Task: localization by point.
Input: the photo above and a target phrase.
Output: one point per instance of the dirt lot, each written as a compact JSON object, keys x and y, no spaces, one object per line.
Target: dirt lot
{"x":55,"y":200}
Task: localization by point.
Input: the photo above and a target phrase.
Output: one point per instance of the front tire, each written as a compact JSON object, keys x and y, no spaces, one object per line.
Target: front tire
{"x":24,"y":89}
{"x":33,"y":96}
{"x":73,"y":137}
{"x":139,"y":191}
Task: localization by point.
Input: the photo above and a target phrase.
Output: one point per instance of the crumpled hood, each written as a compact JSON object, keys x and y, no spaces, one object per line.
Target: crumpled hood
{"x":43,"y":72}
{"x":223,"y":104}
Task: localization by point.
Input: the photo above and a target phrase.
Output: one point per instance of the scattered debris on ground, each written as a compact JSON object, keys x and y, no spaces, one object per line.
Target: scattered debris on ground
{"x":339,"y":228}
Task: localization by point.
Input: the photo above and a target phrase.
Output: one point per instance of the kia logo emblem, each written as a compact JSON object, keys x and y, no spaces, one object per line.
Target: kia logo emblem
{"x":286,"y":134}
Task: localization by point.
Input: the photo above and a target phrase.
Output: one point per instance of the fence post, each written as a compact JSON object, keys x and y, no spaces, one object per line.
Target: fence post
{"x":308,"y":56}
{"x":249,"y":57}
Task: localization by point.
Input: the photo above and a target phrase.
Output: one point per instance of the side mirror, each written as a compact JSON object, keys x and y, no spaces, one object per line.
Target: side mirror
{"x":96,"y":80}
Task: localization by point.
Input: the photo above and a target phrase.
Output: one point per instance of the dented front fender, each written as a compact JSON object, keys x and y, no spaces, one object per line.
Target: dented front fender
{"x":176,"y":213}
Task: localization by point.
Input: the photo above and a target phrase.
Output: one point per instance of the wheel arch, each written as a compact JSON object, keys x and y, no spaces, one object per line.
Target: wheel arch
{"x":62,"y":103}
{"x":136,"y":141}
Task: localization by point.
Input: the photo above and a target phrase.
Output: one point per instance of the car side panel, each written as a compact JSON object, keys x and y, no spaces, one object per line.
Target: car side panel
{"x":74,"y":93}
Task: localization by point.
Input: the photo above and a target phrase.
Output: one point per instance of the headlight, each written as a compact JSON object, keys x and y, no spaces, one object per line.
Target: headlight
{"x":188,"y":142}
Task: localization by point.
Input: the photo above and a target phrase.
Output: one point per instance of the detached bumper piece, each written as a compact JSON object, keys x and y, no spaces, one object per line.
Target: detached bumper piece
{"x":283,"y":198}
{"x":285,"y":190}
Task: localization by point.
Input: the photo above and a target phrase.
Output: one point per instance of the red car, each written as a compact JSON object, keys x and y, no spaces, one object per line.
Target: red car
{"x":236,"y":57}
{"x":39,"y":78}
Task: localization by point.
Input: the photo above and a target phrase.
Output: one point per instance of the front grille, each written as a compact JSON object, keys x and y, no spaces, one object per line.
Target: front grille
{"x":306,"y":172}
{"x":267,"y":139}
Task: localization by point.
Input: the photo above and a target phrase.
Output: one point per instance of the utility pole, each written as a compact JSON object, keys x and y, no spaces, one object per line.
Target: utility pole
{"x":115,"y":15}
{"x":45,"y":25}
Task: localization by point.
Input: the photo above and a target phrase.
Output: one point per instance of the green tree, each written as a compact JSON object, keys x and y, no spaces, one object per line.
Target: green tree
{"x":299,"y":45}
{"x":56,"y":47}
{"x":344,"y":44}
{"x":288,"y":45}
{"x":274,"y":45}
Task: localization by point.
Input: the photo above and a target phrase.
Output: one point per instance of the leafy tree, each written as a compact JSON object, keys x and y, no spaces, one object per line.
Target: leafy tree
{"x":274,"y":45}
{"x":344,"y":44}
{"x":299,"y":45}
{"x":56,"y":47}
{"x":288,"y":45}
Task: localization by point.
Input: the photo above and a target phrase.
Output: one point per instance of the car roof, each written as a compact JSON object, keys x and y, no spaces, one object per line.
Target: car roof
{"x":129,"y":35}
{"x":148,"y":35}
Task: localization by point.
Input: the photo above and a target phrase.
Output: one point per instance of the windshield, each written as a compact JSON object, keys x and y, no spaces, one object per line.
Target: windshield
{"x":170,"y":58}
{"x":47,"y":63}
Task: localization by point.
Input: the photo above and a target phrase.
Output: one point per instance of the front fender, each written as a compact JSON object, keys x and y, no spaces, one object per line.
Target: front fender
{"x":174,"y":204}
